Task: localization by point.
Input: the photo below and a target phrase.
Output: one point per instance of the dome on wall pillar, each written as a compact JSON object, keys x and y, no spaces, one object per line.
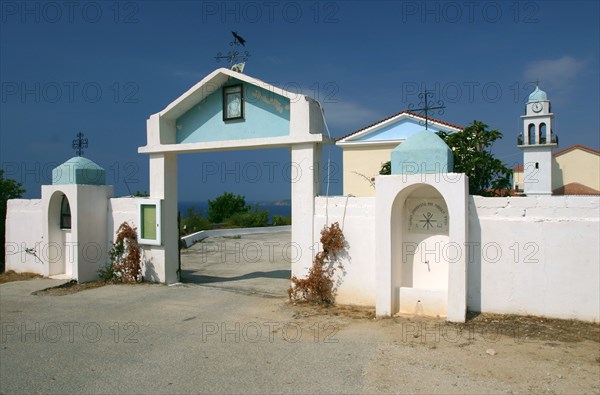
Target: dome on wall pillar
{"x":422,"y":153}
{"x":538,"y":95}
{"x":79,"y":170}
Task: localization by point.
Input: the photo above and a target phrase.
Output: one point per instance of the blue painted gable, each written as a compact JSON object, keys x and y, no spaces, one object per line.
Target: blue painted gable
{"x":267,"y":114}
{"x":399,"y":130}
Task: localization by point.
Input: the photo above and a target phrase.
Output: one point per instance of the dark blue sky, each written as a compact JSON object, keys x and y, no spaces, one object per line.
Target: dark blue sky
{"x":103,"y":67}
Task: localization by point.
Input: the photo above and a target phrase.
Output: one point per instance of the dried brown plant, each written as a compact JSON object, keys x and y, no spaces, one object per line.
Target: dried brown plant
{"x":318,"y":286}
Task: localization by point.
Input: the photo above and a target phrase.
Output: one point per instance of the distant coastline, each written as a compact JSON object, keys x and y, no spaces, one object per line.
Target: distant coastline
{"x":275,"y":207}
{"x":282,"y":202}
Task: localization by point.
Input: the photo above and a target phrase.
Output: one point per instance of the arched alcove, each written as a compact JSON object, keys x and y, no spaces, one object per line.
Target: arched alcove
{"x":420,"y":225}
{"x":58,"y":252}
{"x":404,"y":282}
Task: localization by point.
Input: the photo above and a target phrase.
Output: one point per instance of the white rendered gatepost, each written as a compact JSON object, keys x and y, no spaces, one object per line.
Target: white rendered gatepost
{"x":195,"y":122}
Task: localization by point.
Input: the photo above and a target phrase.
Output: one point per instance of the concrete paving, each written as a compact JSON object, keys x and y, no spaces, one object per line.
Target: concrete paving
{"x":230,"y":329}
{"x":251,"y":263}
{"x":166,"y":339}
{"x":226,"y":330}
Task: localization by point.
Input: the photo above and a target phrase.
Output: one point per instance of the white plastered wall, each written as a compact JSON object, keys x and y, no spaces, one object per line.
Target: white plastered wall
{"x":34,"y":224}
{"x":161,"y":262}
{"x":356,"y":217}
{"x":125,"y":210}
{"x":537,"y":170}
{"x":81,"y":250}
{"x":24,"y":231}
{"x":305,"y":186}
{"x":526,"y":255}
{"x":92,"y":226}
{"x":535,"y":255}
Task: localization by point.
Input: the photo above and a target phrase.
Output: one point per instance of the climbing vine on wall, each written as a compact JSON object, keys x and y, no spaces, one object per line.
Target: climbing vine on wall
{"x":318,"y":286}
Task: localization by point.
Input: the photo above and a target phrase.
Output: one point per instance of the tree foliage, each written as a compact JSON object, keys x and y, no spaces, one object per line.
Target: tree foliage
{"x":488,"y":176}
{"x":250,"y":219}
{"x":471,"y":147}
{"x":193,"y":222}
{"x":225,"y":206}
{"x":9,"y":189}
{"x":280,"y":220}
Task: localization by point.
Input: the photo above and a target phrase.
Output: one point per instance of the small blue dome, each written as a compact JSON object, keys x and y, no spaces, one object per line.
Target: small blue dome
{"x":78,"y":170}
{"x":423,"y":152}
{"x":538,"y":95}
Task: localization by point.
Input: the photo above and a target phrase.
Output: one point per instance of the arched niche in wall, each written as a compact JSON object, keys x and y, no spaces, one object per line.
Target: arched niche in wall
{"x":420,"y":248}
{"x":426,"y":222}
{"x":57,"y":251}
{"x":421,"y":231}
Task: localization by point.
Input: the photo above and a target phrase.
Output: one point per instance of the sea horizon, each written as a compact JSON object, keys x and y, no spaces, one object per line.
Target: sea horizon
{"x":275,"y":207}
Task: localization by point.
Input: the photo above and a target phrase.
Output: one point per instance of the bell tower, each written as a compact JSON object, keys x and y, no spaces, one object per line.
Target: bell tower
{"x":537,"y":141}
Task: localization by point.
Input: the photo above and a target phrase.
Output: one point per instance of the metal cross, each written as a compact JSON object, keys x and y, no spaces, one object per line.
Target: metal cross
{"x":426,"y":106}
{"x":79,"y":144}
{"x":234,"y":56}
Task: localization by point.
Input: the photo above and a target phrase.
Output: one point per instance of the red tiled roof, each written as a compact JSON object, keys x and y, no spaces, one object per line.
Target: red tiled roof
{"x":564,"y":151}
{"x":575,"y":188}
{"x":395,"y":115}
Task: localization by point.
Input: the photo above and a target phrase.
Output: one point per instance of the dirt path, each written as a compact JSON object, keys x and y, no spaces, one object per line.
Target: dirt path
{"x":488,"y":354}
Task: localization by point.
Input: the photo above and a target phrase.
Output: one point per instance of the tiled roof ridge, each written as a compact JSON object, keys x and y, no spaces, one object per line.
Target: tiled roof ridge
{"x":396,"y":115}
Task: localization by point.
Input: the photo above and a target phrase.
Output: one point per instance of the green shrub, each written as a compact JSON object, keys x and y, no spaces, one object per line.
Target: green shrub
{"x":250,"y":219}
{"x":280,"y":220}
{"x":107,"y":273}
{"x":193,"y":222}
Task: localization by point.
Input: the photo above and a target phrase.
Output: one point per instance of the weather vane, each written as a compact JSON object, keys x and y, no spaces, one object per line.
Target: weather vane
{"x":79,"y":144}
{"x":427,"y":106}
{"x":235,"y":56}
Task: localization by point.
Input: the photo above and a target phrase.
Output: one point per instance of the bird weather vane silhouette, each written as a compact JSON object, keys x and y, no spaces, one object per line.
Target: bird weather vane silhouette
{"x":427,"y":106}
{"x":80,"y":143}
{"x":234,"y":55}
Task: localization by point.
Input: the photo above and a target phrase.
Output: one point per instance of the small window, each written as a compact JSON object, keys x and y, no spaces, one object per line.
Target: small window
{"x":149,"y":220}
{"x":537,"y":165}
{"x":65,"y":213}
{"x":233,"y":102}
